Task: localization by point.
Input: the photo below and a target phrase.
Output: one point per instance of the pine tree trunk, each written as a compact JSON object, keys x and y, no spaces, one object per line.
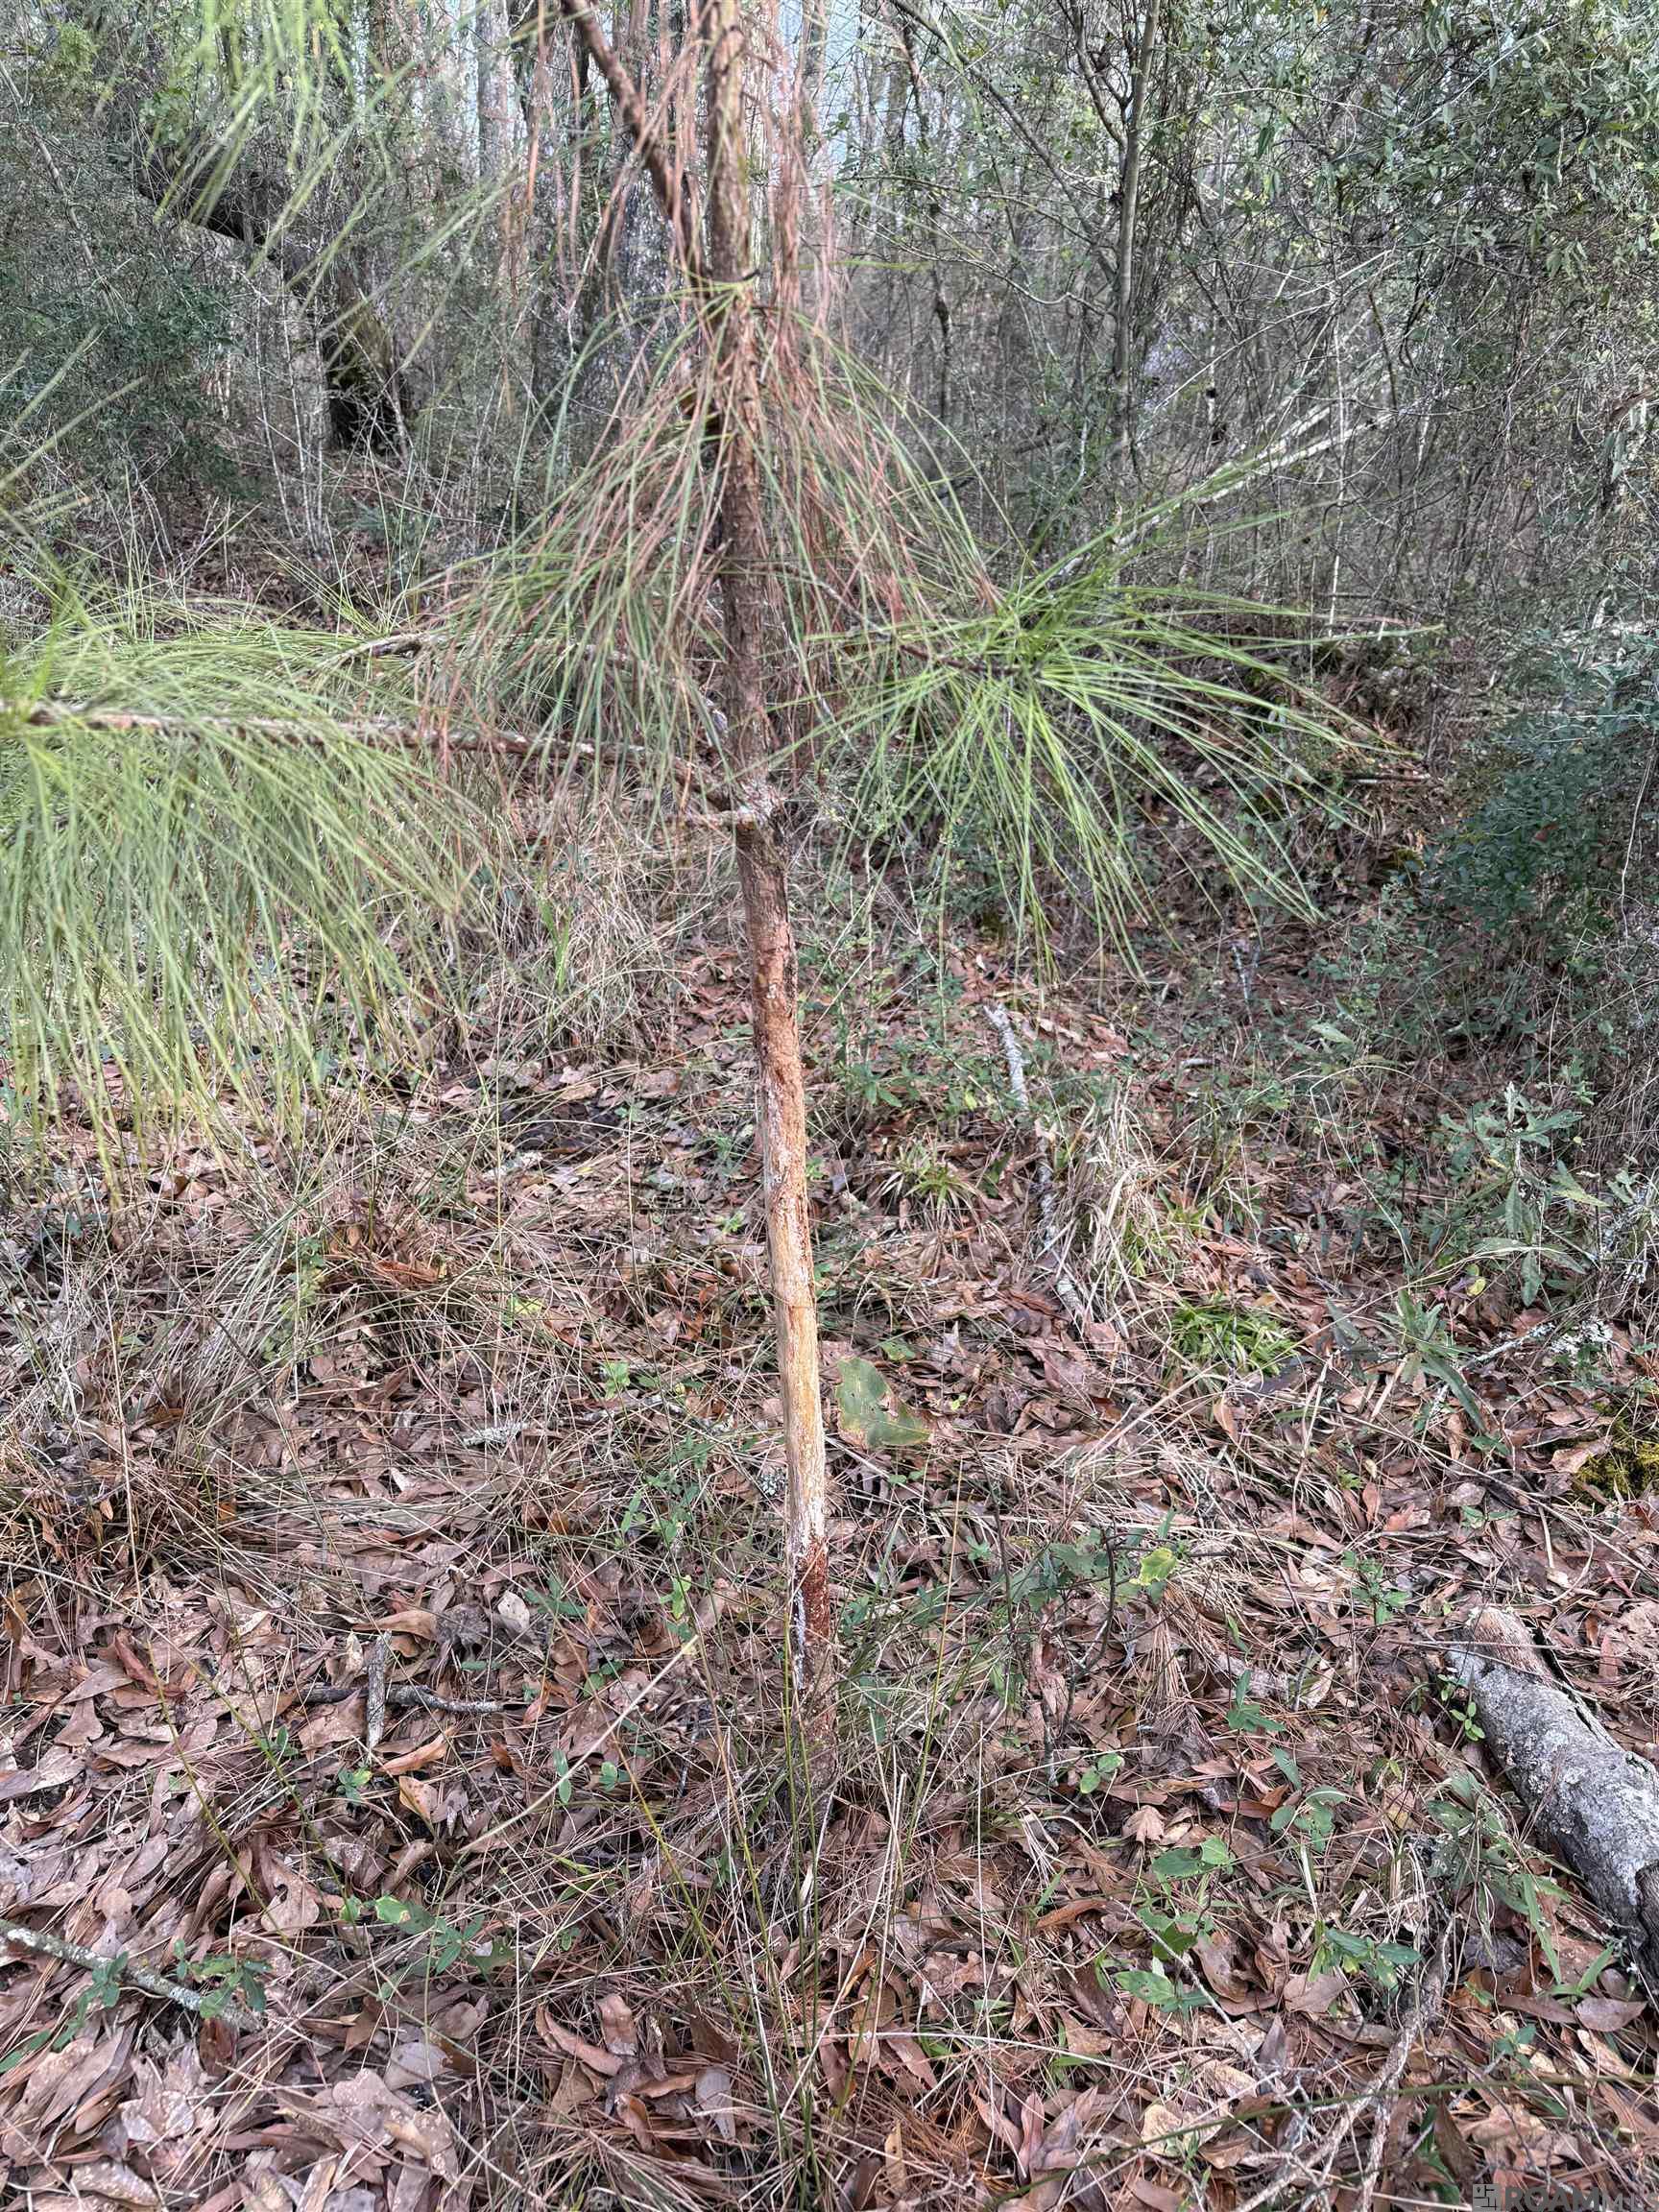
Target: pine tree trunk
{"x":763,"y":871}
{"x":722,"y":281}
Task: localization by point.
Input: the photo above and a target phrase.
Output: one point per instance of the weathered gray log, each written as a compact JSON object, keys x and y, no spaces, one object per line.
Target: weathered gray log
{"x":1592,"y":1802}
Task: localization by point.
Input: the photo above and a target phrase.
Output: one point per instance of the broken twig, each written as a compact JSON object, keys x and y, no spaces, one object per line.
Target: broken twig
{"x":404,"y":1697}
{"x":374,"y":1698}
{"x":1065,"y":1283}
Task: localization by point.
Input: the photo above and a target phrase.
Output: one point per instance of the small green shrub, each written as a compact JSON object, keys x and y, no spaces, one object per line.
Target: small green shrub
{"x":1544,"y":838}
{"x":120,"y":361}
{"x":1217,"y":1336}
{"x":1517,"y":1192}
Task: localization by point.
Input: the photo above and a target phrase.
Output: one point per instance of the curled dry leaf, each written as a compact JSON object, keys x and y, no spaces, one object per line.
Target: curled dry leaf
{"x":617,"y":2026}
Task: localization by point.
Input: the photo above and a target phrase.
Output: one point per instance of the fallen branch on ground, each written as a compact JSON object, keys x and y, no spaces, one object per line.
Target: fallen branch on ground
{"x":407,"y":1697}
{"x":1314,"y":2175}
{"x":1593,"y":1804}
{"x":206,"y":2003}
{"x":1065,"y":1283}
{"x":1425,"y":2011}
{"x":374,"y":1694}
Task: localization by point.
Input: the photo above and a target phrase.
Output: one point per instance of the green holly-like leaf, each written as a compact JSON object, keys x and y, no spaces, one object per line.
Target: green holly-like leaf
{"x":870,"y":1415}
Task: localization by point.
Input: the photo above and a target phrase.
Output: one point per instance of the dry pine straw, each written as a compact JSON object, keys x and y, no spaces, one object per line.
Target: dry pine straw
{"x":1143,"y":1874}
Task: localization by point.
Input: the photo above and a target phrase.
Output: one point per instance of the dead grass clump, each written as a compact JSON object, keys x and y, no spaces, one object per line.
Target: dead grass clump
{"x":1118,"y":1233}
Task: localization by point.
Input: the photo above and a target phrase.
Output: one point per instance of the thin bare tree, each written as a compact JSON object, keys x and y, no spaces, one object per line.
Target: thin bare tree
{"x":723,"y":275}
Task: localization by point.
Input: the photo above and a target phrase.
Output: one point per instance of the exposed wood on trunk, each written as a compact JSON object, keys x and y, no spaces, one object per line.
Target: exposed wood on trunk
{"x":1592,"y":1802}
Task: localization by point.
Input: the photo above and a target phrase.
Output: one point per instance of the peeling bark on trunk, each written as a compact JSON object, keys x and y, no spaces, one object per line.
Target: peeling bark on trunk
{"x":773,"y":986}
{"x":1593,"y":1803}
{"x":763,"y":871}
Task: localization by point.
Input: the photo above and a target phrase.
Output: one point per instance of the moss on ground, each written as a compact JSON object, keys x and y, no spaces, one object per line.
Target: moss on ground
{"x":1628,"y":1468}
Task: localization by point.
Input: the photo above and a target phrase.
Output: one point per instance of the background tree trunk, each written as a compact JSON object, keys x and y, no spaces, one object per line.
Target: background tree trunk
{"x":1141,"y":59}
{"x":497,"y":149}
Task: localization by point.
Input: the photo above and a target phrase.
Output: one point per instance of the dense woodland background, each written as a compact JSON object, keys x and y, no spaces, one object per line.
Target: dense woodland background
{"x":1391,"y":263}
{"x":1133,"y":523}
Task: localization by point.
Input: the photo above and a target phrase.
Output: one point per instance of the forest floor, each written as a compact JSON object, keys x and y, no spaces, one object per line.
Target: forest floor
{"x":1154,"y":1867}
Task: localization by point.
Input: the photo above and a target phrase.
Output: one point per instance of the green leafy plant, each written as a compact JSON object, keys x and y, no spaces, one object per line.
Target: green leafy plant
{"x":1417,"y":1344}
{"x":1308,"y":1814}
{"x":445,"y":1941}
{"x":1383,"y":1962}
{"x":1097,"y":1770}
{"x":1175,"y":1914}
{"x":1543,"y":838}
{"x":871,"y":1416}
{"x":1383,"y":1600}
{"x":1511,"y":1169}
{"x":1477,"y":1856}
{"x":224,"y":1981}
{"x":1246,"y":1715}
